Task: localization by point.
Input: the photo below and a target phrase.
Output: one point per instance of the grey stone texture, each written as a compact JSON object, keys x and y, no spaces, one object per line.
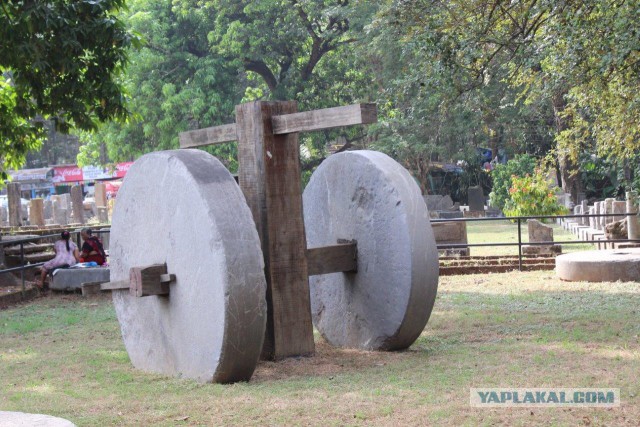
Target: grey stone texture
{"x":633,"y":227}
{"x":48,"y":209}
{"x":616,"y":230}
{"x":539,"y":232}
{"x":367,"y":196}
{"x":600,"y":265}
{"x":475,"y":198}
{"x":14,"y":204}
{"x":73,"y":278}
{"x":608,"y":209}
{"x":36,"y":212}
{"x":77,"y":204}
{"x":183,"y":208}
{"x":592,"y":220}
{"x":4,"y":216}
{"x":22,"y":419}
{"x":60,"y":212}
{"x":106,"y":238}
{"x":436,"y":202}
{"x":619,"y":207}
{"x":453,"y":232}
{"x":103,"y":215}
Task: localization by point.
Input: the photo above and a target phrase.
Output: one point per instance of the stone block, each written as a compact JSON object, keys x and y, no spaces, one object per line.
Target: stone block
{"x":616,"y":230}
{"x":73,"y":278}
{"x":538,"y":232}
{"x":450,"y":233}
{"x":475,"y":198}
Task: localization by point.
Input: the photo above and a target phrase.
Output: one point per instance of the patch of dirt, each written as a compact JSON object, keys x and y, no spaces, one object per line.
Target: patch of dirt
{"x":326,"y":362}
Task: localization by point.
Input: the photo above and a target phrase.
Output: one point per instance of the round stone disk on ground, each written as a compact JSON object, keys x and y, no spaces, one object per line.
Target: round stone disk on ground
{"x":183,"y":208}
{"x":368,"y":197}
{"x":22,"y":419}
{"x":600,"y":266}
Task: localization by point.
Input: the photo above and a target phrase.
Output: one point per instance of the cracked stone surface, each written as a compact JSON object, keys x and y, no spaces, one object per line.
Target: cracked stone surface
{"x":183,"y":208}
{"x":369,"y":197}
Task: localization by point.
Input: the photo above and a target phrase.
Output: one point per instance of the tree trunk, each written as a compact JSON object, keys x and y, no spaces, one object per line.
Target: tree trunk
{"x":569,"y":174}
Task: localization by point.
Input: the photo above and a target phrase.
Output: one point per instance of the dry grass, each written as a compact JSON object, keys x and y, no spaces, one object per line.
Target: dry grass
{"x":63,"y":356}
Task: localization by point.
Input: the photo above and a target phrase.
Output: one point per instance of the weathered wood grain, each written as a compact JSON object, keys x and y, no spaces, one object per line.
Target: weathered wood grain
{"x":357,"y":114}
{"x":146,"y":281}
{"x":113,"y":286}
{"x":269,"y":175}
{"x":208,"y":136}
{"x":333,"y":259}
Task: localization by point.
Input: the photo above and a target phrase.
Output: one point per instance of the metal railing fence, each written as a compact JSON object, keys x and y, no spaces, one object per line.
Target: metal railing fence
{"x":518,"y":220}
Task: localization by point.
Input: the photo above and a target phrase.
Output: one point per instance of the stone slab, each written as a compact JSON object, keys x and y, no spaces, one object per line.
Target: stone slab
{"x":72,"y":278}
{"x":600,"y":266}
{"x":194,"y":218}
{"x":367,"y":196}
{"x":436,"y":202}
{"x":22,"y":419}
{"x":453,"y":232}
{"x":539,"y":232}
{"x":475,"y":198}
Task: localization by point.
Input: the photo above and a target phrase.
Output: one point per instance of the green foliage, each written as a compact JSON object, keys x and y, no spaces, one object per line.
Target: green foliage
{"x":502,"y":176}
{"x":532,"y":195}
{"x":201,"y":58}
{"x":528,"y":75}
{"x":438,"y":102}
{"x":473,"y":174}
{"x":175,"y":83}
{"x":59,"y":60}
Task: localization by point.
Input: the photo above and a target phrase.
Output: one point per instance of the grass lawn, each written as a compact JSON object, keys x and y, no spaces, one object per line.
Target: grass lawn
{"x":63,"y":356}
{"x":505,"y":231}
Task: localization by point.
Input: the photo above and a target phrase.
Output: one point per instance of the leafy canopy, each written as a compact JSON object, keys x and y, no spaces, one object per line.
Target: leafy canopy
{"x":60,"y":60}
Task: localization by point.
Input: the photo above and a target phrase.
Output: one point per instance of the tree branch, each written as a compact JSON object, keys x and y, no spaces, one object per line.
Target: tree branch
{"x":263,"y":70}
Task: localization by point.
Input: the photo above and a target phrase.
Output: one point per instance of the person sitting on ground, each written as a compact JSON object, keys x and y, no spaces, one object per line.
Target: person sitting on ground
{"x":66,"y":255}
{"x":92,"y":250}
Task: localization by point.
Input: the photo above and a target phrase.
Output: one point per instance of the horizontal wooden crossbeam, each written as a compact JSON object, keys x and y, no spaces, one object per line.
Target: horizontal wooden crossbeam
{"x":333,"y":259}
{"x":327,"y":118}
{"x":208,"y":136}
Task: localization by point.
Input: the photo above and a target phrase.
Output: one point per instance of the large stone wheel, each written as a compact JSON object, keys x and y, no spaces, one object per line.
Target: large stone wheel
{"x":368,"y":197}
{"x":183,"y":208}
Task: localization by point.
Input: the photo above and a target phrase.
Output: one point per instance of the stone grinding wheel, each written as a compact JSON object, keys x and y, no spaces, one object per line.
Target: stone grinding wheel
{"x":368,"y":197}
{"x":183,"y":208}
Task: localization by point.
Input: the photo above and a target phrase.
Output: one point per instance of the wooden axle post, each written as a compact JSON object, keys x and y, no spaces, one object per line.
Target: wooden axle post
{"x":269,"y":176}
{"x":143,"y":282}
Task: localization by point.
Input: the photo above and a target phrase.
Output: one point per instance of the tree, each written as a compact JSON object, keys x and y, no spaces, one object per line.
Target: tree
{"x":203,"y":57}
{"x":59,"y":60}
{"x":435,"y":105}
{"x":175,"y":83}
{"x":578,"y":60}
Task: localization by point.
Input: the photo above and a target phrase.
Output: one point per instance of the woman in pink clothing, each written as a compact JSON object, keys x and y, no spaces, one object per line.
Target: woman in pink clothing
{"x":67,"y":254}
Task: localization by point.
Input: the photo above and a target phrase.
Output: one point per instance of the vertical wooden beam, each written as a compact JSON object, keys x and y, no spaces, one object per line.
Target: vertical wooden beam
{"x":269,"y":175}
